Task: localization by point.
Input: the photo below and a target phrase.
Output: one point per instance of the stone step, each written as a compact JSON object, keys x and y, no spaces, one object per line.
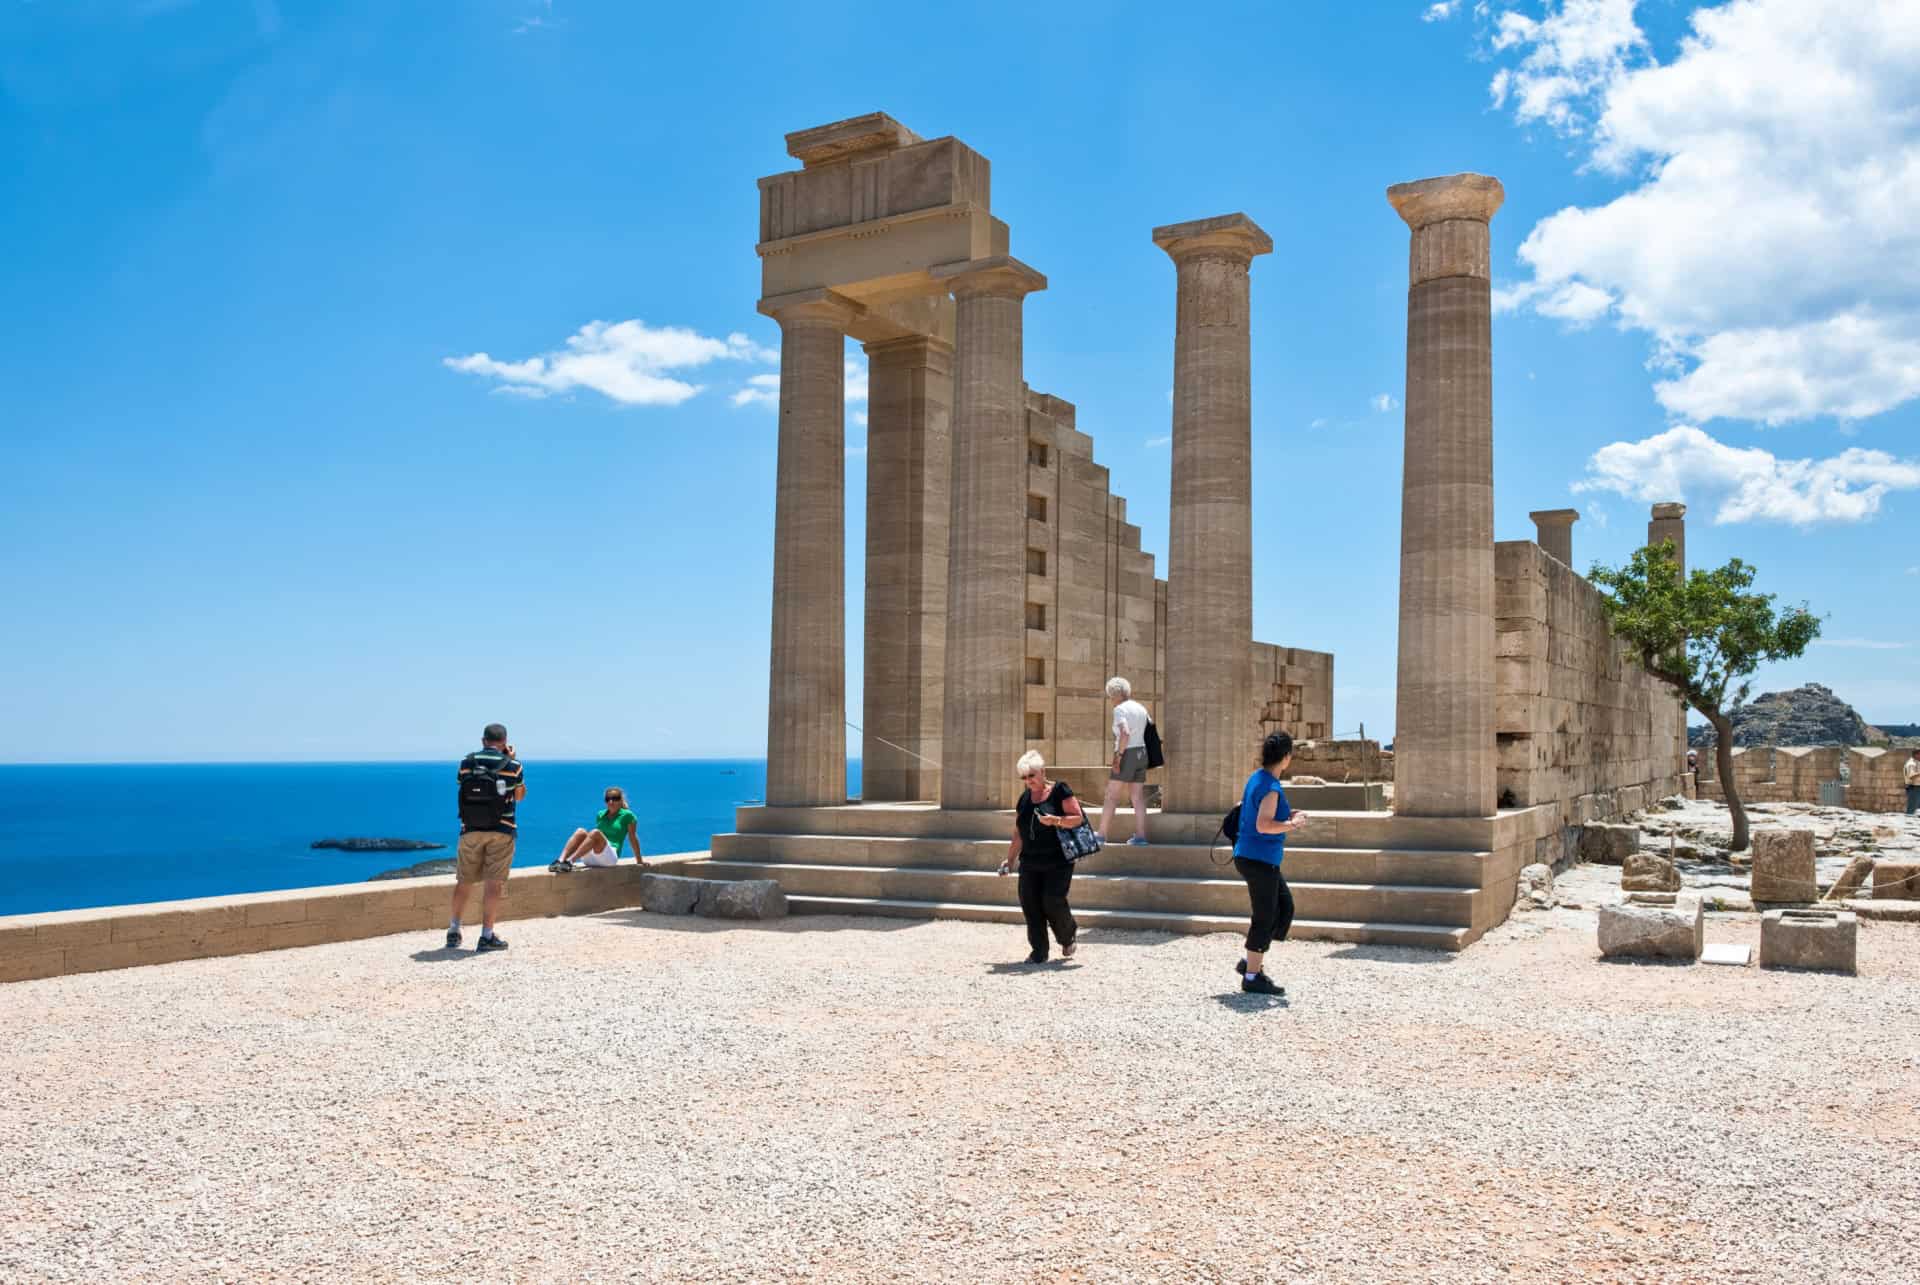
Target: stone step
{"x":1225,"y":897}
{"x":1427,"y":936}
{"x":1154,"y":860}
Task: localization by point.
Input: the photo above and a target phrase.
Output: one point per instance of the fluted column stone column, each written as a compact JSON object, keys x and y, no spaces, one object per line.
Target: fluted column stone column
{"x":1207,"y":701}
{"x":1444,"y":748}
{"x":982,"y":726}
{"x":909,"y":455}
{"x":807,"y":681}
{"x":1554,"y":532}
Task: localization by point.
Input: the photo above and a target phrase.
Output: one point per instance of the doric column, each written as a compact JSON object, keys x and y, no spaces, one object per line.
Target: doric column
{"x":981,"y":727}
{"x":909,"y":453}
{"x":1669,"y":522}
{"x":1444,"y":752}
{"x":807,"y":686}
{"x":1554,"y":532}
{"x":1206,"y":702}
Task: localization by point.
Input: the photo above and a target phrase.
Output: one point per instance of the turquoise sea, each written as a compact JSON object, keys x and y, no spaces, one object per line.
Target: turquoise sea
{"x":100,"y":835}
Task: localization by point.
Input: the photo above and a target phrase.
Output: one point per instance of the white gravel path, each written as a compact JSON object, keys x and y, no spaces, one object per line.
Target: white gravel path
{"x":628,"y":1097}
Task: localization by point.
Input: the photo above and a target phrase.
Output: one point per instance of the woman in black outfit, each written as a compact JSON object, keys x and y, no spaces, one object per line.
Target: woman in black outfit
{"x":1043,"y":809}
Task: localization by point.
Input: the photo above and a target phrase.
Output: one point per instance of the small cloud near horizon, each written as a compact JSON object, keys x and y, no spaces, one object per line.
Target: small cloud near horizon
{"x":628,"y":362}
{"x":1383,"y":402}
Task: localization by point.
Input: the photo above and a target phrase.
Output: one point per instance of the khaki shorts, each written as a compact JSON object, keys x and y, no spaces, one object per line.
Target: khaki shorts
{"x":484,"y":855}
{"x":1133,"y":766}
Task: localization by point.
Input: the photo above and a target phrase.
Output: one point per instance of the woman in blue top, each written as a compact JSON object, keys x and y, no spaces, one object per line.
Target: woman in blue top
{"x":1265,"y":820}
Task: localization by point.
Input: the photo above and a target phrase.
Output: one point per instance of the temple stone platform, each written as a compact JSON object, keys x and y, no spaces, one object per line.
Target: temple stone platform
{"x":1438,"y":882}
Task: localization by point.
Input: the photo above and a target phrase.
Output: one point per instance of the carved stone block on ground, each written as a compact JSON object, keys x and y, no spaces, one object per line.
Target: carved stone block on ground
{"x":1536,"y":887}
{"x":1855,"y":876}
{"x":743,"y":899}
{"x":669,"y":894}
{"x":1783,"y":866}
{"x":1822,"y":939}
{"x":1608,"y":845}
{"x":1645,"y":929}
{"x":1649,"y":872}
{"x":1896,"y":880}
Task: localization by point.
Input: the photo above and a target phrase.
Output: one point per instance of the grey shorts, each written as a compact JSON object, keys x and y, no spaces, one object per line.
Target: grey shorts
{"x":1133,"y":766}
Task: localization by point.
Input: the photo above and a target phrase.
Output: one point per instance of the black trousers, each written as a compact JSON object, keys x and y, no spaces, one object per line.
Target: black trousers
{"x":1272,"y":903}
{"x":1043,"y":900}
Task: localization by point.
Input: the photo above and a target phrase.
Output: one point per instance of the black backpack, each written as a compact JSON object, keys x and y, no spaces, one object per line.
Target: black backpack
{"x":484,"y":794}
{"x":1156,"y":756}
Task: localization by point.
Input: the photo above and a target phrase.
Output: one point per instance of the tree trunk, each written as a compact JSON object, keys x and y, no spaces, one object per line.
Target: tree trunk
{"x":1723,"y":756}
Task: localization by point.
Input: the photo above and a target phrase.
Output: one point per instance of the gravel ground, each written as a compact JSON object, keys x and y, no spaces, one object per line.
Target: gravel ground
{"x":631,"y":1097}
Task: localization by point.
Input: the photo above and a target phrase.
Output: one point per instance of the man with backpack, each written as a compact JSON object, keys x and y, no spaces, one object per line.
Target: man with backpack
{"x":491,"y":783}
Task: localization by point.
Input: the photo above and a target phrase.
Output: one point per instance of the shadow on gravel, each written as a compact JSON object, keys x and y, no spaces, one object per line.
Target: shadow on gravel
{"x":442,"y":953}
{"x":1395,"y":954}
{"x":1021,"y":967}
{"x":1633,"y":961}
{"x":640,"y":918}
{"x":1241,"y":1002}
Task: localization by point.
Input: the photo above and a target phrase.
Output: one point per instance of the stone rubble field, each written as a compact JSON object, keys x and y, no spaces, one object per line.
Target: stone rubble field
{"x":635,"y":1097}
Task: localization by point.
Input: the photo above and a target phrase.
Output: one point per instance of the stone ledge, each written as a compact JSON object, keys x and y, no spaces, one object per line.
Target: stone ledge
{"x":56,"y":943}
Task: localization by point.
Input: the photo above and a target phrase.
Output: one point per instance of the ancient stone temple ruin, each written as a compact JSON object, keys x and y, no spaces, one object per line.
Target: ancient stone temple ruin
{"x":1004,"y":584}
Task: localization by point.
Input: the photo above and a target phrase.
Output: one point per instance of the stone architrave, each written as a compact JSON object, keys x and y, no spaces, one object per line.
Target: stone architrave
{"x":1554,"y":532}
{"x":909,"y":453}
{"x":1210,"y":546}
{"x":1444,"y":745}
{"x":982,"y":730}
{"x":807,"y":687}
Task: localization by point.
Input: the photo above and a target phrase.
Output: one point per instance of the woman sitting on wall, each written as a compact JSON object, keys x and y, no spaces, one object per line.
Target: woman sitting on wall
{"x":613,"y":826}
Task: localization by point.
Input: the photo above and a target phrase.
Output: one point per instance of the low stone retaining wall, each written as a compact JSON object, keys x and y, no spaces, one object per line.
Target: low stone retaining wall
{"x":162,"y":932}
{"x":1794,"y":774}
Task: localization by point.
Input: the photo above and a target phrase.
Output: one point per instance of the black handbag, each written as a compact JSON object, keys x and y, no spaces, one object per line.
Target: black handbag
{"x":1156,"y":756}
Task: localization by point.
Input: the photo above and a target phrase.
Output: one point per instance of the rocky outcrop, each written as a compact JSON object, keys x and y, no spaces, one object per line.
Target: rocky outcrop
{"x":438,"y":866}
{"x":378,"y":845}
{"x":1810,"y":715}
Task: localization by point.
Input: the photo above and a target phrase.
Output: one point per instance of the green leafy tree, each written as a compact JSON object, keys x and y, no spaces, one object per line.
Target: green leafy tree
{"x":1703,"y":635}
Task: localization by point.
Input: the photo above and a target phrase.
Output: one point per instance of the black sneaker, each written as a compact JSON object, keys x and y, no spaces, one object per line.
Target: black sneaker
{"x":1240,"y":966}
{"x":453,"y":938}
{"x":1261,"y":984}
{"x":490,"y":943}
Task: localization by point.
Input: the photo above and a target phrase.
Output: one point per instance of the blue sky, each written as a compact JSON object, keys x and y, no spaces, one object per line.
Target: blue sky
{"x":252,"y":511}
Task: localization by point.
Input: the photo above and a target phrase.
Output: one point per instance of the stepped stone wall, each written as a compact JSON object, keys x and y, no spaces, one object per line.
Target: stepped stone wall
{"x":1578,"y":723}
{"x":1095,"y":609}
{"x":1874,"y":778}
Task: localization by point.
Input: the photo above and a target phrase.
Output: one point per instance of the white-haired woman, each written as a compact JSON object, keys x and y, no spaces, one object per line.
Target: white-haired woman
{"x":1042,"y":811}
{"x":1130,"y":719}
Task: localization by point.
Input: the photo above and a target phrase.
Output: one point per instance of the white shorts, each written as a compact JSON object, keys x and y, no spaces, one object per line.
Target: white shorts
{"x":605,"y":857}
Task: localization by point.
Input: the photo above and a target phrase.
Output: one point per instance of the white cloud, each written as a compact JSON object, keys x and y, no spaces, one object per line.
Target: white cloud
{"x":1913,"y":571}
{"x":1440,"y":11}
{"x":1863,"y":644}
{"x":1319,"y":423}
{"x":1383,"y":402}
{"x":1155,"y":443}
{"x":627,"y":361}
{"x":1752,"y":484}
{"x":764,"y":390}
{"x":760,"y":390}
{"x":1765,"y":242}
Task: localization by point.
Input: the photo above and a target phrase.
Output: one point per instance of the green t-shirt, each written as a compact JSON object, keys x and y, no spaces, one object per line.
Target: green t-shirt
{"x":616,"y":827}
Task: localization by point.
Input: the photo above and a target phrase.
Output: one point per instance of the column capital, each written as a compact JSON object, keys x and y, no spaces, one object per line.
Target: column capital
{"x":1555,"y":517}
{"x":1669,"y":511}
{"x":1474,"y":197}
{"x":1233,"y":237}
{"x":913,"y":350}
{"x":819,"y":307}
{"x":1002,"y":276}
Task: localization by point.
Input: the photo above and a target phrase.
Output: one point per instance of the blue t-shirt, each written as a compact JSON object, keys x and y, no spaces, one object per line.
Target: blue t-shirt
{"x":1254,"y":846}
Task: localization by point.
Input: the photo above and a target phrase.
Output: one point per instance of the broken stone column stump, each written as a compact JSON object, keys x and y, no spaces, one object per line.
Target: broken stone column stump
{"x":1820,"y":939}
{"x":1653,"y":926}
{"x":1783,"y":866}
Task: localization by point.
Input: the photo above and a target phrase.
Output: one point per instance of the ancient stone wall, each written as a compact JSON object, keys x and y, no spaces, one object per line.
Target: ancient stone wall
{"x":1095,"y":609}
{"x":1577,"y":722}
{"x":1795,"y":774}
{"x":1339,"y":761}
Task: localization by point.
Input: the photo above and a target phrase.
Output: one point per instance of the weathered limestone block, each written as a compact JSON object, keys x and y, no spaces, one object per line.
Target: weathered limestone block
{"x":1823,"y":939}
{"x":1609,"y":845}
{"x":1897,"y":880}
{"x":743,"y":899}
{"x":1536,"y":887}
{"x":1643,"y":929}
{"x":1783,"y":866}
{"x":1858,"y":871}
{"x":1649,"y":872}
{"x":670,"y":894}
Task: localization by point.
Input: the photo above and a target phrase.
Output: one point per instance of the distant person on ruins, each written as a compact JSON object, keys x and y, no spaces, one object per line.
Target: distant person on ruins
{"x":1693,"y":760}
{"x":1911,"y":770}
{"x":1258,"y":850}
{"x":1042,"y":811}
{"x":613,"y":826}
{"x":491,"y":784}
{"x":1130,"y":722}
